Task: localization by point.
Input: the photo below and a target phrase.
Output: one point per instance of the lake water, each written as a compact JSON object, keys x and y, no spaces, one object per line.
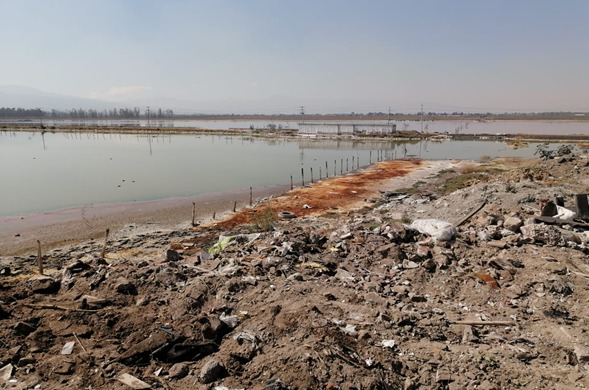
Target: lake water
{"x":50,"y":171}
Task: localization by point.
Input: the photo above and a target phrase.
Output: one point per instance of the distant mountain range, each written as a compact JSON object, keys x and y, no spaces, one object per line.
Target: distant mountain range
{"x":26,"y":97}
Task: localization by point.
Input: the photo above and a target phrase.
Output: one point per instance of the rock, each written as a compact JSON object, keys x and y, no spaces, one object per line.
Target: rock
{"x":408,"y":264}
{"x":3,"y":314}
{"x":375,"y":298}
{"x":582,"y":353}
{"x":211,"y":371}
{"x":513,"y":224}
{"x":68,"y":348}
{"x":23,"y":328}
{"x":429,"y":265}
{"x":6,"y":372}
{"x":45,"y":285}
{"x":123,"y":286}
{"x":133,"y":382}
{"x":66,"y":367}
{"x":29,"y":359}
{"x":178,"y":371}
{"x":172,"y":255}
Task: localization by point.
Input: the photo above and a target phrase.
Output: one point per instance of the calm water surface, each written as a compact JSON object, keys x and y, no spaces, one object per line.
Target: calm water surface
{"x":50,"y":171}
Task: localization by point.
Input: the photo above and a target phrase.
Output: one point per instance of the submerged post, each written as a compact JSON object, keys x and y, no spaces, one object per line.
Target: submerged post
{"x":334,"y":168}
{"x":291,"y":187}
{"x":370,"y":158}
{"x":341,"y":167}
{"x":347,"y":165}
{"x":103,"y":253}
{"x":320,"y":175}
{"x":251,"y":196}
{"x":326,"y":171}
{"x":193,"y":213}
{"x":234,"y":206}
{"x":39,"y":258}
{"x":311,"y":175}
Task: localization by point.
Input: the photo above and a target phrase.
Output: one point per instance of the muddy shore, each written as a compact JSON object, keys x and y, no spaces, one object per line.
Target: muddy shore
{"x":20,"y":233}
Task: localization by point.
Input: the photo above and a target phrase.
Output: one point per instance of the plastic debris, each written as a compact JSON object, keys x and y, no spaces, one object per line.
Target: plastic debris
{"x":437,"y":229}
{"x":221,"y":244}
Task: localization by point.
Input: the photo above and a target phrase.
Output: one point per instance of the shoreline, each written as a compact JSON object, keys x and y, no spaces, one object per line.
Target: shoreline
{"x":19,"y":233}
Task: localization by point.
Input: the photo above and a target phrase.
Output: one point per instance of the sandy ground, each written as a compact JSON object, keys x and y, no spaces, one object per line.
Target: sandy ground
{"x":19,"y":234}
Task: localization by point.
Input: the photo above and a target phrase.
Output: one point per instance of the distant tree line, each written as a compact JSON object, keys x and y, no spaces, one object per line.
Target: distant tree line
{"x":84,"y":114}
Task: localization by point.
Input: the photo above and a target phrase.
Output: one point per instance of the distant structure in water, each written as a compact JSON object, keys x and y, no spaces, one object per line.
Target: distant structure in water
{"x":346,"y":128}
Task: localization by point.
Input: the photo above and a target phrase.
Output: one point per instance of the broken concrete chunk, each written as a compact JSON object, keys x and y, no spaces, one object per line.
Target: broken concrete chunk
{"x":6,"y":372}
{"x":582,"y":353}
{"x":513,"y":224}
{"x":68,"y":348}
{"x":133,"y":382}
{"x":211,"y":371}
{"x":179,"y":371}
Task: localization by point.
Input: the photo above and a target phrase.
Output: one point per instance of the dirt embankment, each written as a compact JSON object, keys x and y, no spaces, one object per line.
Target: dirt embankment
{"x":347,"y":295}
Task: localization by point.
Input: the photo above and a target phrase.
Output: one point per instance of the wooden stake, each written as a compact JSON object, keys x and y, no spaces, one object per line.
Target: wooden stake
{"x":103,"y":253}
{"x":320,"y":174}
{"x":334,"y":168}
{"x":303,"y":175}
{"x":311,"y":175}
{"x":347,"y":165}
{"x":370,"y":158}
{"x":326,"y":171}
{"x":291,"y":186}
{"x":251,"y":196}
{"x":193,"y":213}
{"x":234,"y":206}
{"x":341,"y":167}
{"x":214,"y":215}
{"x":39,"y":258}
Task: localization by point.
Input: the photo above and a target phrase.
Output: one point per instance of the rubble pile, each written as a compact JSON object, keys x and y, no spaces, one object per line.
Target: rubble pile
{"x":466,"y":290}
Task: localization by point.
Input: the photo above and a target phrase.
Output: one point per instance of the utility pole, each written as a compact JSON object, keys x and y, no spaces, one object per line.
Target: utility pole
{"x":147,"y":115}
{"x":389,"y":120}
{"x":302,"y":113}
{"x":421,"y":117}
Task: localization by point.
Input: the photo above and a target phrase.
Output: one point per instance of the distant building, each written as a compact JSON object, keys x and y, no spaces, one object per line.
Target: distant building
{"x":347,"y":128}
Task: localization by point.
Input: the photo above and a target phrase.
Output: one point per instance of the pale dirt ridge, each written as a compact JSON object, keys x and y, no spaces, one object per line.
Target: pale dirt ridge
{"x":332,"y":300}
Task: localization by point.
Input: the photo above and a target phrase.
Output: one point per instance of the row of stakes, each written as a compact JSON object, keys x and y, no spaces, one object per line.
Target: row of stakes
{"x":355,"y":162}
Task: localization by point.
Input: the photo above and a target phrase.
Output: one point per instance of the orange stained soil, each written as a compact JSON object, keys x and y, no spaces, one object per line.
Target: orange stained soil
{"x":336,"y":194}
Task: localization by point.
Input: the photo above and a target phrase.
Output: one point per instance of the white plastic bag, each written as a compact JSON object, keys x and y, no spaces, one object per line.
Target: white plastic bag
{"x":438,"y":230}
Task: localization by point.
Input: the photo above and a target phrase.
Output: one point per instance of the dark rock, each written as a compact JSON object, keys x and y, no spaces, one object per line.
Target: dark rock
{"x":22,"y":328}
{"x":45,"y":285}
{"x":172,"y":255}
{"x":3,"y":314}
{"x":125,"y":287}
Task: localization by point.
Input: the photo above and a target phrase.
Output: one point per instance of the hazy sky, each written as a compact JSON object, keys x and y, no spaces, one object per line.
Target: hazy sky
{"x":336,"y":55}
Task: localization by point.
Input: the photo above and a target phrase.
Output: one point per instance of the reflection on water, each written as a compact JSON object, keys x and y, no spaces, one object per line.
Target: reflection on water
{"x":46,"y":171}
